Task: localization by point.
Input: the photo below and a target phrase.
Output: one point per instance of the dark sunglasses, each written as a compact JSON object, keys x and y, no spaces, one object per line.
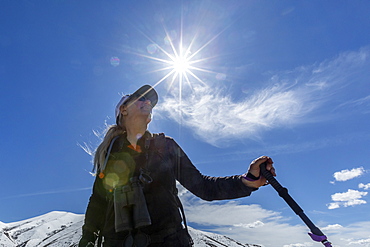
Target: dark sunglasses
{"x":142,"y":98}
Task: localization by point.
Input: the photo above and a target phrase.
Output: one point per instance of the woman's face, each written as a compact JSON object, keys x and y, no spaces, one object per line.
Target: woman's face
{"x":137,"y":107}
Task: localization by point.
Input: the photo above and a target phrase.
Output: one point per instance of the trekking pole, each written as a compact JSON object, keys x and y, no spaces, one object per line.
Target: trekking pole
{"x":316,"y":234}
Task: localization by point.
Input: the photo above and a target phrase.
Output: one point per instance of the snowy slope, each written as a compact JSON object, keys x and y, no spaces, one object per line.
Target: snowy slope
{"x":62,"y":229}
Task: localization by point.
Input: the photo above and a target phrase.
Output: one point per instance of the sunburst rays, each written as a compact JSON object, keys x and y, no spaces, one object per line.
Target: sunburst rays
{"x":178,"y":61}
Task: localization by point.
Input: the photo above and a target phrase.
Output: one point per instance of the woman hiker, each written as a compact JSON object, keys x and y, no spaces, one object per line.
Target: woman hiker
{"x":134,"y":201}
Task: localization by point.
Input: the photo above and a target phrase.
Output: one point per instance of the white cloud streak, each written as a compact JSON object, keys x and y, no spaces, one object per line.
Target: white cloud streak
{"x":47,"y":193}
{"x":290,"y":98}
{"x":345,"y":175}
{"x":362,"y":103}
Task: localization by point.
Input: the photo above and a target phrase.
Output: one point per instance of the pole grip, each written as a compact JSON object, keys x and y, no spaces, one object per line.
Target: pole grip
{"x":268,"y":175}
{"x":282,"y":191}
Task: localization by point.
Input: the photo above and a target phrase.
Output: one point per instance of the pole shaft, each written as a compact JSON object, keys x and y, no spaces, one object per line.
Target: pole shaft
{"x":283,"y":192}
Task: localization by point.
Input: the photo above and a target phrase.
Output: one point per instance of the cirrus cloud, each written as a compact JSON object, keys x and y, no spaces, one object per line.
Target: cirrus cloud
{"x":288,"y":98}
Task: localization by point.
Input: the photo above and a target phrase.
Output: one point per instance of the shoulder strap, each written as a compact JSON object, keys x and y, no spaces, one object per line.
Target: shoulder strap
{"x":179,"y":204}
{"x":102,"y":168}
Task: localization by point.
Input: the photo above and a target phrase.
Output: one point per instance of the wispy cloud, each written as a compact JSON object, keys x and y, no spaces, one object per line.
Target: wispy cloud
{"x":285,"y":148}
{"x":290,"y":98}
{"x":346,"y":174}
{"x":46,"y":193}
{"x":362,"y":103}
{"x":208,"y":111}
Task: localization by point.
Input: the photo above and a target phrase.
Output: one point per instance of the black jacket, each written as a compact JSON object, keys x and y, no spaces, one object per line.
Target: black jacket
{"x":166,"y":162}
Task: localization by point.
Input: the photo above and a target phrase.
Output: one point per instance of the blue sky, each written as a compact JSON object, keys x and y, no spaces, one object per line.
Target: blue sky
{"x":288,"y":79}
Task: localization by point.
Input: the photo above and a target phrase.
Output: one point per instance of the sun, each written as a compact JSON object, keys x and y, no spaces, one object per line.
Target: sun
{"x":185,"y":62}
{"x":181,"y":64}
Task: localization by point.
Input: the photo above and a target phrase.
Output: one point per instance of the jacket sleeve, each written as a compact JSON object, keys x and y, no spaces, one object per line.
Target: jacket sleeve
{"x":206,"y":187}
{"x":95,"y":214}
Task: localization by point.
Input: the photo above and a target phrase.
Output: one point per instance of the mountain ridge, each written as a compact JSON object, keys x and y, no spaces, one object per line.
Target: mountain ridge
{"x":64,"y":229}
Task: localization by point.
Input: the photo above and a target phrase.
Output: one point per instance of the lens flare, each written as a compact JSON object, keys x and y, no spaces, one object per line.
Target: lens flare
{"x":152,"y":48}
{"x":114,"y":61}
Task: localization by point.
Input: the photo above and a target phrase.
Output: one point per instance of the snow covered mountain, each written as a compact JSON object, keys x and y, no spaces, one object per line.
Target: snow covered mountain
{"x":62,"y":229}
